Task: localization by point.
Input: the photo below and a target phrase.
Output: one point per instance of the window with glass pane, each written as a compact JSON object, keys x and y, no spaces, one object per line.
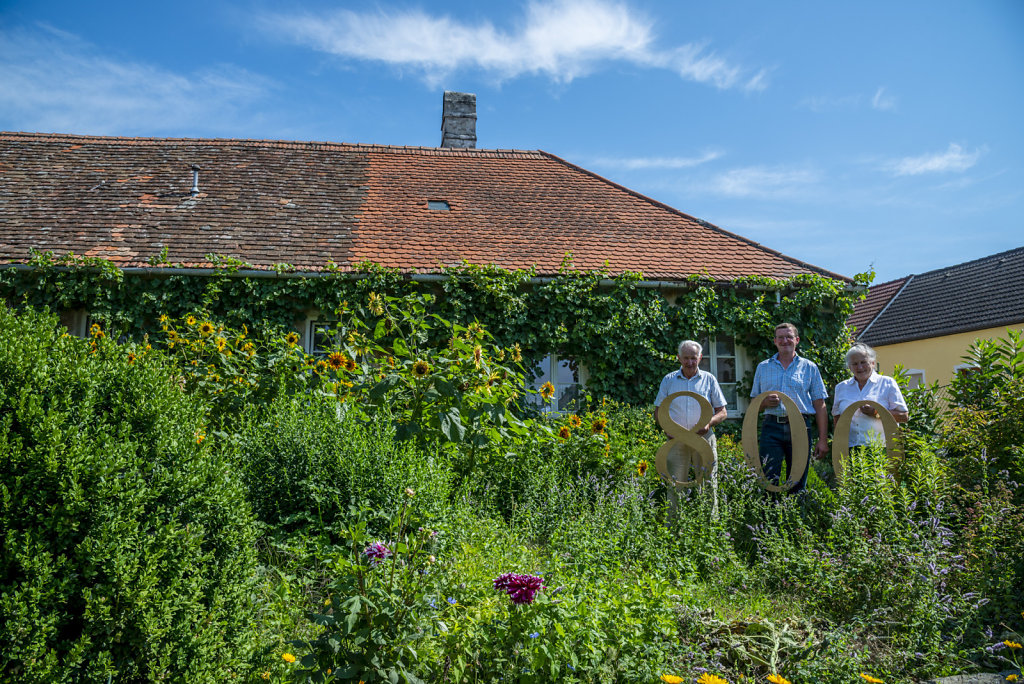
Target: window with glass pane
{"x":720,"y":360}
{"x":564,"y":374}
{"x":322,"y":337}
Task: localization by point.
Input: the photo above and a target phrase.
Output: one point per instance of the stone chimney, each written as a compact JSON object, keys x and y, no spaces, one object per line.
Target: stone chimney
{"x":458,"y":120}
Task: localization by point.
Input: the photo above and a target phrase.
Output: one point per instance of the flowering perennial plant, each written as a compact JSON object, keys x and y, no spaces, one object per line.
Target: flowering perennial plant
{"x":377,"y":553}
{"x":522,"y":589}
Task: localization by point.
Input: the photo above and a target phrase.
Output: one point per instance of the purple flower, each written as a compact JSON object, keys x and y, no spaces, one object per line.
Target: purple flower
{"x":377,"y":553}
{"x":521,"y":589}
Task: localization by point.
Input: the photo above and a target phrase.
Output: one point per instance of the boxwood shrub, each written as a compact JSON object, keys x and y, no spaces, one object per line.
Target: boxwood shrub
{"x":126,"y":545}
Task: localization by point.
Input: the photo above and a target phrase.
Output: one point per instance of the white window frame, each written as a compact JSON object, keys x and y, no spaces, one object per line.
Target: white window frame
{"x":308,"y":334}
{"x":915,"y":377}
{"x":550,"y":365}
{"x":740,"y":364}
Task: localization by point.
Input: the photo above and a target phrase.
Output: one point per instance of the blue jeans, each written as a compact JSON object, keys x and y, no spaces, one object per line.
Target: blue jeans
{"x":777,"y":447}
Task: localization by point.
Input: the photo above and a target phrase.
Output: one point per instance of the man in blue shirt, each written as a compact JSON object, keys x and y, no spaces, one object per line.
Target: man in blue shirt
{"x":799,"y":379}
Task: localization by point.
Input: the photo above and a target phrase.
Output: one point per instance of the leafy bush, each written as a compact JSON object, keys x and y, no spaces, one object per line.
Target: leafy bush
{"x":126,"y":548}
{"x":310,"y":456}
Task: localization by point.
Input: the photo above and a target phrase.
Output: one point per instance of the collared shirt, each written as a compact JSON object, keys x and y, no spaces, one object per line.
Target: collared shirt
{"x":684,"y":410}
{"x":801,"y":382}
{"x":880,"y":388}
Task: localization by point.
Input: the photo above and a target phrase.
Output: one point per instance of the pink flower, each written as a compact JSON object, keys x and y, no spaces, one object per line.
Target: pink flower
{"x":522,"y":589}
{"x":377,"y":553}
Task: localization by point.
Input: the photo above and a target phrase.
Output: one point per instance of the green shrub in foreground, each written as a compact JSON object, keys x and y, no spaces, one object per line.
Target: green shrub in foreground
{"x":126,"y":548}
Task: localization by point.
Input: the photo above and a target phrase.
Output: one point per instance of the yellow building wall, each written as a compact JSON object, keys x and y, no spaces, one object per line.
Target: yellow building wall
{"x":938,"y":357}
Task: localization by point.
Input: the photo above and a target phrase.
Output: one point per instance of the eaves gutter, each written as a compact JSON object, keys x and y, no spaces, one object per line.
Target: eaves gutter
{"x":160,"y":271}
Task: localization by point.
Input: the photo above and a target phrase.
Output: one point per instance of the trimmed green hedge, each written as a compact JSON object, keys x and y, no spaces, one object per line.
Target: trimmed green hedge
{"x":126,"y":545}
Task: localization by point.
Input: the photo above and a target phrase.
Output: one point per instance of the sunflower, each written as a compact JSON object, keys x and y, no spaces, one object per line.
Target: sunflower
{"x":641,"y":470}
{"x":248,"y":348}
{"x":500,"y":354}
{"x":517,"y":353}
{"x":163,"y":319}
{"x":420,"y":369}
{"x":131,"y":357}
{"x":376,"y":305}
{"x":190,"y":321}
{"x":478,"y":355}
{"x":321,"y":367}
{"x":350,"y":365}
{"x":292,"y":339}
{"x":598,"y":426}
{"x":336,"y":360}
{"x":95,"y":331}
{"x":871,"y":680}
{"x":671,"y":679}
{"x":564,"y":432}
{"x":171,"y":335}
{"x":221,"y":343}
{"x":778,"y":679}
{"x":547,"y":390}
{"x":575,"y":421}
{"x":205,"y":328}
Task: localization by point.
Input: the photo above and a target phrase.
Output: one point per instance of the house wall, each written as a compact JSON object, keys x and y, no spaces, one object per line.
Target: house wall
{"x":938,"y":357}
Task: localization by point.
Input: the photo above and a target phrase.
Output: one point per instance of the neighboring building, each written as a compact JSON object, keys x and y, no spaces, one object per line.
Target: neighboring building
{"x":159,"y":207}
{"x":927,"y":322}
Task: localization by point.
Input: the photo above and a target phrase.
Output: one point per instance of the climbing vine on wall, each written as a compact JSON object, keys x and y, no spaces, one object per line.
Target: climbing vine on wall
{"x":624,"y":332}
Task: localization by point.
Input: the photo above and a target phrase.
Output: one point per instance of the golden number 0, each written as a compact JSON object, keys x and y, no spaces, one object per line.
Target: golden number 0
{"x":682,"y":437}
{"x":841,"y":437}
{"x":798,"y":436}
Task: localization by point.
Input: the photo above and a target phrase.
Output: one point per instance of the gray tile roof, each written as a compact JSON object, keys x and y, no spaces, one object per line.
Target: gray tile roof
{"x":979,"y":294}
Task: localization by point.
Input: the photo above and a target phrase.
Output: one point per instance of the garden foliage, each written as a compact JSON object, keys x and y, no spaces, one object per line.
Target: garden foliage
{"x":127,"y":547}
{"x":417,"y":524}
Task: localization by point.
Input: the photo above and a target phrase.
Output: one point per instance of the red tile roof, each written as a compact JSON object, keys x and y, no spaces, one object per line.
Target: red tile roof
{"x":307,"y":203}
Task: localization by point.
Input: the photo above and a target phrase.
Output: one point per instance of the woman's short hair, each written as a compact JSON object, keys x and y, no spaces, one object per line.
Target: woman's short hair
{"x":692,"y":345}
{"x":860,"y":349}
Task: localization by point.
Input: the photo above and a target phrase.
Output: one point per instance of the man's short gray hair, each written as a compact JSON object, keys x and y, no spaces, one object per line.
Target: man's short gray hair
{"x":860,"y":349}
{"x":692,"y":345}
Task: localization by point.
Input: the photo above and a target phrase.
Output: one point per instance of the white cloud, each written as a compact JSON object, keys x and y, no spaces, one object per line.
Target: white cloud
{"x":763,"y":182}
{"x":643,"y":163}
{"x":954,"y":159}
{"x":826,"y":103}
{"x":51,"y":81}
{"x":560,"y":39}
{"x":883,"y":102}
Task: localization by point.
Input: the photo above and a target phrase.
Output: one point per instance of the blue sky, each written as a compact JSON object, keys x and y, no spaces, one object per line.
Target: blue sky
{"x":850,"y":135}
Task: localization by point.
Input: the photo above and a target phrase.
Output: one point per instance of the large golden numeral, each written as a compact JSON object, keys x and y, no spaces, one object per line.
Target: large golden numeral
{"x":841,"y":437}
{"x":798,"y":435}
{"x":688,"y":441}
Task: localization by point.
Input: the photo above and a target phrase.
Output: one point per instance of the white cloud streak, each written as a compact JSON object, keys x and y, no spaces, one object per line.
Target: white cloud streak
{"x":645,"y":163}
{"x":762,"y":182}
{"x":879,"y":101}
{"x":559,"y":39}
{"x":883,"y":102}
{"x":954,"y":159}
{"x":51,"y":81}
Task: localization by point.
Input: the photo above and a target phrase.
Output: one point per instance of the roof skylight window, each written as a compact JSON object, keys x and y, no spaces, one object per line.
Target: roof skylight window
{"x":438,"y":205}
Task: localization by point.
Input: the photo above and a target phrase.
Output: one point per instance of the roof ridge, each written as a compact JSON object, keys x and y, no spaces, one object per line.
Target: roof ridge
{"x":973,"y":262}
{"x":700,"y":221}
{"x":260,"y":142}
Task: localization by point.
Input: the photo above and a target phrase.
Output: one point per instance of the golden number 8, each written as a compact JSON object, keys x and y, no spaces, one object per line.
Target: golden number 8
{"x":686,"y":440}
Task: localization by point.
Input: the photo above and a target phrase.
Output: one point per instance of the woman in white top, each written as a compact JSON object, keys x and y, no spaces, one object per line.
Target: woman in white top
{"x":867,"y":385}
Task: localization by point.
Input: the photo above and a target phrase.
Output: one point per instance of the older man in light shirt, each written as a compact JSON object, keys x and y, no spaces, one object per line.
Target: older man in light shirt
{"x":685,"y":411}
